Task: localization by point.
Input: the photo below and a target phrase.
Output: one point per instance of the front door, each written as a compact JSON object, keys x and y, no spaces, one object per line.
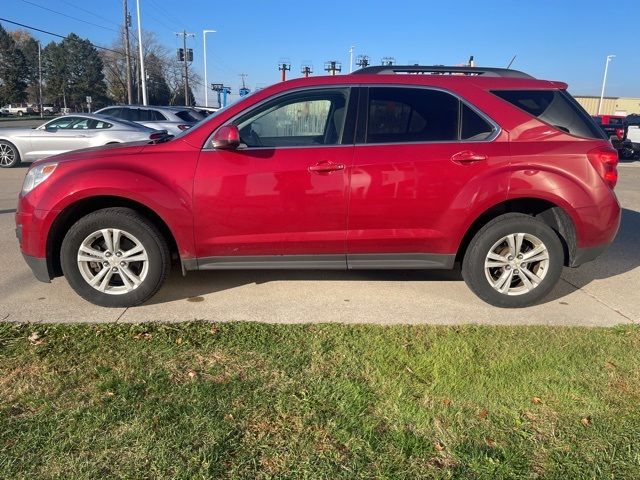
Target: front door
{"x":58,"y":136}
{"x":281,"y":198}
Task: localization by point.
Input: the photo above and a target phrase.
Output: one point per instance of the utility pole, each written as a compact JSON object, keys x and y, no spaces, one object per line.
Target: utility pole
{"x":284,"y":67}
{"x":243,"y":89}
{"x":127,"y":52}
{"x":604,"y":81}
{"x":206,"y":84}
{"x":187,"y":56}
{"x":351,"y":58}
{"x":143,"y":76}
{"x":40,"y":79}
{"x":332,"y":67}
{"x":306,"y":70}
{"x":363,"y":61}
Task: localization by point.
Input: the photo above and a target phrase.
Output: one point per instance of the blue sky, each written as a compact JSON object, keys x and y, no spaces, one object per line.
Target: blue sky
{"x":558,"y":40}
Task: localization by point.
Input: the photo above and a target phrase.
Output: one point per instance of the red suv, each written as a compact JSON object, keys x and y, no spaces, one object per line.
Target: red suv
{"x":388,"y":168}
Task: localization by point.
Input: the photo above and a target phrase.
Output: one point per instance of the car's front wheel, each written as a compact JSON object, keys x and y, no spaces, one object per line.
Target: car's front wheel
{"x":513,"y":261}
{"x":115,"y":257}
{"x":9,"y":156}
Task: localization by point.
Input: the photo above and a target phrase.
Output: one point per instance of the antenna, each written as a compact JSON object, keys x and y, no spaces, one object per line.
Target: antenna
{"x":511,"y":62}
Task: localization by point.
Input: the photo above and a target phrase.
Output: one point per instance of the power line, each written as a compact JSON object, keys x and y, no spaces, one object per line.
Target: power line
{"x":69,"y":16}
{"x":169,"y":15}
{"x":91,"y":13}
{"x":57,"y":35}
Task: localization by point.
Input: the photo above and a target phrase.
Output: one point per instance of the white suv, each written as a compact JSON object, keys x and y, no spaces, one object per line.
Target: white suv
{"x":172,"y":119}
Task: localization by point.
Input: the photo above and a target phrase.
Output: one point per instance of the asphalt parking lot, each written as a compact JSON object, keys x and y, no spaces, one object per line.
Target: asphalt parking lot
{"x":602,"y":293}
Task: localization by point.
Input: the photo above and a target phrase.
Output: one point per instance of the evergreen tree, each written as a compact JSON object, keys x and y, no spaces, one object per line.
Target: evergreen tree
{"x":13,"y":70}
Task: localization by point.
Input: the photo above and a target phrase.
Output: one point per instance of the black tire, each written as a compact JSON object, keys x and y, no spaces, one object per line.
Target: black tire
{"x":20,"y":113}
{"x":473,"y":264}
{"x":16,"y":155}
{"x":131,"y":222}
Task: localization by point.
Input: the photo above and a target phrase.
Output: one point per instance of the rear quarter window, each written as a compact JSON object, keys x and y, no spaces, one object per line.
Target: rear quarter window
{"x":555,"y":107}
{"x":189,"y":116}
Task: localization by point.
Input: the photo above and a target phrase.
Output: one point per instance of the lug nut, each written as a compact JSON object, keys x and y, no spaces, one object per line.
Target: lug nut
{"x":508,"y":267}
{"x":520,"y":256}
{"x":123,"y":264}
{"x":107,"y":254}
{"x":510,"y":257}
{"x":516,"y":272}
{"x":118,"y":254}
{"x":114,"y":269}
{"x":106,"y":264}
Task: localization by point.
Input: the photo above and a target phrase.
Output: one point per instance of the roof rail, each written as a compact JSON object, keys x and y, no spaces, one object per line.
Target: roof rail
{"x":441,"y":70}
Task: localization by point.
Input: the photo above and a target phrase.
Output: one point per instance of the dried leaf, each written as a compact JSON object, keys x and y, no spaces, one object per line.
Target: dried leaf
{"x":483,"y":413}
{"x":192,"y":374}
{"x":446,"y":402}
{"x":586,"y":421}
{"x":610,"y":365}
{"x":228,"y":417}
{"x":179,"y":340}
{"x":142,"y":336}
{"x":439,"y":446}
{"x":536,"y":400}
{"x":34,"y":338}
{"x":490,"y":442}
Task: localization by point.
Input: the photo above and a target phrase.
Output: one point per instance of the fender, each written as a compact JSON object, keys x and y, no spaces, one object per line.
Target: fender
{"x":167,"y":192}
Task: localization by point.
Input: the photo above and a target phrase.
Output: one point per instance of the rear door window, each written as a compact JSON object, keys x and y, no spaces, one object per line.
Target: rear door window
{"x":555,"y":107}
{"x":399,"y":115}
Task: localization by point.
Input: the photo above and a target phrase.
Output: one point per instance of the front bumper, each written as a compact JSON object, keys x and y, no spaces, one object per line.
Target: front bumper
{"x":39,"y":267}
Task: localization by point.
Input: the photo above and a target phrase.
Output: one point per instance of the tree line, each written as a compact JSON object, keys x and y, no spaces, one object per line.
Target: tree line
{"x":74,"y":68}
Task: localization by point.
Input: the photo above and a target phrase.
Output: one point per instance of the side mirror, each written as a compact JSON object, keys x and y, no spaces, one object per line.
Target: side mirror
{"x":226,"y":138}
{"x":51,"y":129}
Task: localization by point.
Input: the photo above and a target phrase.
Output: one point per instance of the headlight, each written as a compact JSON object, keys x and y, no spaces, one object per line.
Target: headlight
{"x":36,"y":176}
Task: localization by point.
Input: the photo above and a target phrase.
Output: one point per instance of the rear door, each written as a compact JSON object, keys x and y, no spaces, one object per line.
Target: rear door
{"x":419,"y":152}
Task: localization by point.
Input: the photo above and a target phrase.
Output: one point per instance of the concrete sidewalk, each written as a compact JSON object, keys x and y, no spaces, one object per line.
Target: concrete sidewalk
{"x":602,"y":293}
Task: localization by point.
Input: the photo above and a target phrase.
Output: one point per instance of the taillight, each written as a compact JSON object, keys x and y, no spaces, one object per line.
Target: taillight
{"x":184,"y":127}
{"x":620,"y":133}
{"x":605,"y":161}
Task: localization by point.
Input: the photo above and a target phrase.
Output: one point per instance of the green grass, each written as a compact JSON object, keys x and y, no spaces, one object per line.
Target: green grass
{"x":244,"y":400}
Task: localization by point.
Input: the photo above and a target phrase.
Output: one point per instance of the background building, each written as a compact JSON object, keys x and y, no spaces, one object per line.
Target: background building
{"x":610,"y":105}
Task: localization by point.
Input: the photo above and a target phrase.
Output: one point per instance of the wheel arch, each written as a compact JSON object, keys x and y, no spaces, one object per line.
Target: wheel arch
{"x":72,"y":213}
{"x":548,"y":212}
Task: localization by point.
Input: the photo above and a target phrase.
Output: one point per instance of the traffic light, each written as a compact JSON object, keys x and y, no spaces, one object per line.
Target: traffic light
{"x":181,"y":55}
{"x":189,"y":54}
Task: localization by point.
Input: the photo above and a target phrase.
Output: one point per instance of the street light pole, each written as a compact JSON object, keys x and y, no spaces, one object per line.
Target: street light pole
{"x":143,"y":78}
{"x":40,"y":79}
{"x":206,"y":84}
{"x":351,"y":58}
{"x":604,"y":81}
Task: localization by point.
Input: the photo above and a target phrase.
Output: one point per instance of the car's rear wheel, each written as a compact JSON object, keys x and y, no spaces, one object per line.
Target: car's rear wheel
{"x":513,"y":261}
{"x":9,"y":156}
{"x":115,"y":258}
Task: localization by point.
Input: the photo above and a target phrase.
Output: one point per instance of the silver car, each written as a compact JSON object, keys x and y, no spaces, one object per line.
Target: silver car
{"x":172,"y":119}
{"x":70,"y":132}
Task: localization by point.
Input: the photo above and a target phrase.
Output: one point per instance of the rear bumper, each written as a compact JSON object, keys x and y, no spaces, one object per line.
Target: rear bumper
{"x":39,"y":267}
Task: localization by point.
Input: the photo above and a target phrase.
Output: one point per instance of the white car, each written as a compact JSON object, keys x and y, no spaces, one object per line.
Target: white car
{"x":633,"y":132}
{"x":70,"y":132}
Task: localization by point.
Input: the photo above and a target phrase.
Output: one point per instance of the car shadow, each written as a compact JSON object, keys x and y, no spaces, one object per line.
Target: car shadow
{"x":621,"y":257}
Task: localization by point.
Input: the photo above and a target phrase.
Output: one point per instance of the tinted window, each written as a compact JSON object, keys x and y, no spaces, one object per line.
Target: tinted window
{"x":144,"y":115}
{"x":63,"y":122}
{"x":113,"y":112}
{"x":474,"y":127}
{"x":189,"y":116}
{"x":411,"y":115}
{"x":156,"y":116}
{"x":555,"y":107}
{"x":310,"y":118}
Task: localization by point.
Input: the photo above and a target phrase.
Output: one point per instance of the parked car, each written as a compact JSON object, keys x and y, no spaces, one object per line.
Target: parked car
{"x":19,"y":109}
{"x":633,"y":133}
{"x":47,"y":109}
{"x":615,"y":127}
{"x":172,"y":119}
{"x":67,"y":133}
{"x":206,"y":111}
{"x":489,"y":167}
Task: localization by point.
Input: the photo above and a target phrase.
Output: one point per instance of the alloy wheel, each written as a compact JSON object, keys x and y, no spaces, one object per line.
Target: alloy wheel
{"x":7,"y":155}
